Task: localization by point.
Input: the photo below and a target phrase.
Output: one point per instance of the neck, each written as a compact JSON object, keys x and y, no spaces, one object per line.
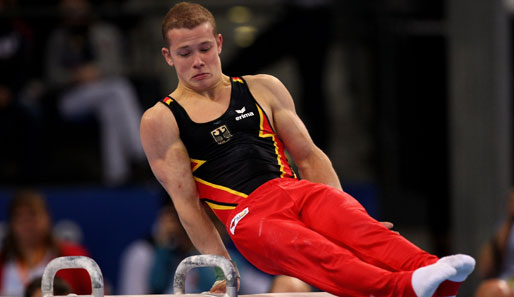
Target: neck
{"x":212,"y":93}
{"x":32,"y":255}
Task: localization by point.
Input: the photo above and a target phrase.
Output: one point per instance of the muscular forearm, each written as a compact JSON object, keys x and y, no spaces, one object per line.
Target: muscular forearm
{"x":318,"y":168}
{"x":201,"y":231}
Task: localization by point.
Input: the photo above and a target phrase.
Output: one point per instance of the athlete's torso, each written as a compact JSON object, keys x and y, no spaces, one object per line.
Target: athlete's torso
{"x":234,"y":154}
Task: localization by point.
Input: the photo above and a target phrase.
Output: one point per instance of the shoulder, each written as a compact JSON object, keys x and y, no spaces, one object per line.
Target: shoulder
{"x":156,"y":112}
{"x":158,"y":131}
{"x":263,"y":81}
{"x":270,"y":90}
{"x":156,"y":117}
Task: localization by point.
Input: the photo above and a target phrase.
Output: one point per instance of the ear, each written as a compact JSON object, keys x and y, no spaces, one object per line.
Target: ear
{"x":166,"y":54}
{"x":219,"y":42}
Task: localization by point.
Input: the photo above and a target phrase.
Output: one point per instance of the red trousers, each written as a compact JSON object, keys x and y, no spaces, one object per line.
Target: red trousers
{"x":324,"y":237}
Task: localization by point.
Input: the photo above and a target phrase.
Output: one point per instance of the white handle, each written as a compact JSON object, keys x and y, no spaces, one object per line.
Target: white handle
{"x":179,"y":282}
{"x":97,"y":282}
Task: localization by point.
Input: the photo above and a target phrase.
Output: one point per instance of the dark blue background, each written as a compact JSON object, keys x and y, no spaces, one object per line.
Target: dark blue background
{"x":112,"y":218}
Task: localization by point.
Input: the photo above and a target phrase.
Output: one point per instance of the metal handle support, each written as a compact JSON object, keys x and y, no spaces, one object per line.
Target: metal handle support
{"x":179,"y":282}
{"x":97,"y":282}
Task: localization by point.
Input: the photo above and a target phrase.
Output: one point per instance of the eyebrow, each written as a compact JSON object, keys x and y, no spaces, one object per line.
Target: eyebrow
{"x":188,"y":46}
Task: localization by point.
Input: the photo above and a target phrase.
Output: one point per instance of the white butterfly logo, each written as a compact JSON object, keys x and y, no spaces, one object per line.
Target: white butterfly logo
{"x":242,"y":110}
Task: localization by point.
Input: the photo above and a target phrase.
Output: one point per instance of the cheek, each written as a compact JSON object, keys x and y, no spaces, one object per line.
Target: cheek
{"x":182,"y":70}
{"x":214,"y":59}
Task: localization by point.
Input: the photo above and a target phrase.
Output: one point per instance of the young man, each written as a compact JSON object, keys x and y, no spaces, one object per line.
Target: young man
{"x":220,"y":140}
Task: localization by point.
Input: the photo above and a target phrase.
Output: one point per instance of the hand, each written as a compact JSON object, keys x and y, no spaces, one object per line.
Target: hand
{"x":220,"y":286}
{"x":389,"y":226}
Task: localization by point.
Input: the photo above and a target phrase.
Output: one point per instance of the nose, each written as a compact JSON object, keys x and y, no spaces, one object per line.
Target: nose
{"x":198,"y":61}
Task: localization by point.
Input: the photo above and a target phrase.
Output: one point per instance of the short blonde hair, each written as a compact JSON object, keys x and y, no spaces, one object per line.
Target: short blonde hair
{"x":186,"y":15}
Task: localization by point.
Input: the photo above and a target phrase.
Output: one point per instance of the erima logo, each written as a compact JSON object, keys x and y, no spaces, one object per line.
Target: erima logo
{"x":243,"y":115}
{"x":238,"y":217}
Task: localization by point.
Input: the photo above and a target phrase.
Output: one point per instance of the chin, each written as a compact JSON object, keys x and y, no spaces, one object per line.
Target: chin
{"x":204,"y":83}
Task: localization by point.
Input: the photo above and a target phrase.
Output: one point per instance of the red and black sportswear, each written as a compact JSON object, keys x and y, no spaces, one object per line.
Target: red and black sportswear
{"x":234,"y":154}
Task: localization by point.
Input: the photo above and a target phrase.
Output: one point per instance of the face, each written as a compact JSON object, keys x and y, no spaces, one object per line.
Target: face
{"x":195,"y":55}
{"x":30,"y":225}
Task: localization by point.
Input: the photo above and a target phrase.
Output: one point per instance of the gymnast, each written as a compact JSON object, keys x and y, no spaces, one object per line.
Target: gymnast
{"x":220,"y":141}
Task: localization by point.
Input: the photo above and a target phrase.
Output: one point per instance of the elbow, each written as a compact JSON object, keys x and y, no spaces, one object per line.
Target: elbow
{"x":312,"y":158}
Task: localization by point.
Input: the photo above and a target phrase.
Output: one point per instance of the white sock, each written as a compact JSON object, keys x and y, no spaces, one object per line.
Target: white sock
{"x":426,"y":280}
{"x":464,"y":265}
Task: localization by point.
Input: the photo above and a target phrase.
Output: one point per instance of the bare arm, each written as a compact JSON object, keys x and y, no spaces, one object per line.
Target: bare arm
{"x":170,"y":164}
{"x":313,"y":164}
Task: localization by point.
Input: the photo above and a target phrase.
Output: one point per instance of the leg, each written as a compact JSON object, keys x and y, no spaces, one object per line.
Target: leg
{"x":114,"y":102}
{"x":128,"y":116}
{"x":115,"y":159}
{"x":279,"y":244}
{"x":274,"y":239}
{"x":343,"y":220}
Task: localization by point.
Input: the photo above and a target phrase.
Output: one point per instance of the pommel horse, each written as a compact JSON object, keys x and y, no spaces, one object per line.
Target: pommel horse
{"x":179,"y":280}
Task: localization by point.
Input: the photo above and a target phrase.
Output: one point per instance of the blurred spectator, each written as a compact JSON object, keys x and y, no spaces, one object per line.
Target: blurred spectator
{"x":3,"y":229}
{"x":19,"y":124}
{"x":494,"y":288}
{"x":302,"y":31}
{"x":68,"y":231}
{"x":85,"y":61}
{"x":497,"y":257}
{"x":496,"y":262}
{"x":33,"y":289}
{"x":29,"y":245}
{"x":148,"y":265}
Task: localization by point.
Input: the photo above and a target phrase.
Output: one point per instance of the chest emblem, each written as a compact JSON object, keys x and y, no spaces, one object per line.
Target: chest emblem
{"x":221,"y":134}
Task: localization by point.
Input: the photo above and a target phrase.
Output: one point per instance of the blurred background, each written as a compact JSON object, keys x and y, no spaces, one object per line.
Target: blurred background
{"x":410,"y":99}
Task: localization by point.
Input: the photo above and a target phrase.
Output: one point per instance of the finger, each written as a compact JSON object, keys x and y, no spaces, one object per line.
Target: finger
{"x":388,"y":225}
{"x":216,"y":291}
{"x":218,"y":287}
